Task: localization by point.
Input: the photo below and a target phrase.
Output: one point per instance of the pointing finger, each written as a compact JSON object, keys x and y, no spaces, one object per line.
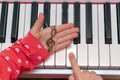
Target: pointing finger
{"x":75,"y":66}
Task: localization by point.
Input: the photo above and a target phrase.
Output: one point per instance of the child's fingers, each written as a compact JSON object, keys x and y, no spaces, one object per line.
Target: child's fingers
{"x":63,"y":45}
{"x":67,"y":32}
{"x":39,"y":22}
{"x":66,"y":38}
{"x":75,"y":66}
{"x":40,"y":19}
{"x":35,"y":31}
{"x":71,"y":77}
{"x":64,"y":27}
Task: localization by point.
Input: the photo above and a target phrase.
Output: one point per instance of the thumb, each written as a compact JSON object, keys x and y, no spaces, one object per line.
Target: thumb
{"x":37,"y":26}
{"x":39,"y":22}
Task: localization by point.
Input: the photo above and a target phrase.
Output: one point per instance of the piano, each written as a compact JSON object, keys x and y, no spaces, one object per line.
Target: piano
{"x":97,"y":47}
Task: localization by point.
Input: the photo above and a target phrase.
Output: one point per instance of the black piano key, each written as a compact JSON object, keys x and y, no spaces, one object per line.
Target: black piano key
{"x":118,"y":21}
{"x":46,"y":15}
{"x":34,"y":13}
{"x":89,"y":35}
{"x":15,"y":22}
{"x":65,"y":12}
{"x":3,"y":21}
{"x":77,"y":20}
{"x":107,"y":19}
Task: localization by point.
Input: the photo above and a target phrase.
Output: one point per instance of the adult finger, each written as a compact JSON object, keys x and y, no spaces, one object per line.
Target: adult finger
{"x":75,"y":66}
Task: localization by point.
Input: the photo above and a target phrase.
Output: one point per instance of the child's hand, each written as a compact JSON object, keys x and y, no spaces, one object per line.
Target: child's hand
{"x":78,"y":75}
{"x":63,"y":37}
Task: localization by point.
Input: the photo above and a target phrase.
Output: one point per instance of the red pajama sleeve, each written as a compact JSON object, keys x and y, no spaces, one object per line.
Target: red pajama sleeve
{"x":25,"y":54}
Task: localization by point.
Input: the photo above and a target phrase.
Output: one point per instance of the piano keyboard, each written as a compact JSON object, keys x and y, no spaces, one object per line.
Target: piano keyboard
{"x":97,"y":46}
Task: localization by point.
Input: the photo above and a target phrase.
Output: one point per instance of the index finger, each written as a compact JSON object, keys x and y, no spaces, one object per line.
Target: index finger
{"x":74,"y":65}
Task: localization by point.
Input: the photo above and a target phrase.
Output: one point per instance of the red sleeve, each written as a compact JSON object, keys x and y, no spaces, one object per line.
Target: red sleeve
{"x":25,"y":54}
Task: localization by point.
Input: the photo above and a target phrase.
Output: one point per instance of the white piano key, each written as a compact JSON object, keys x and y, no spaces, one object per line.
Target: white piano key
{"x":0,"y":18}
{"x":27,"y":18}
{"x":114,"y":47}
{"x":82,"y":47}
{"x":93,"y":48}
{"x":40,"y":10}
{"x":103,"y":48}
{"x":60,"y":55}
{"x":9,"y":27}
{"x":50,"y":62}
{"x":21,"y":21}
{"x":72,"y":47}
